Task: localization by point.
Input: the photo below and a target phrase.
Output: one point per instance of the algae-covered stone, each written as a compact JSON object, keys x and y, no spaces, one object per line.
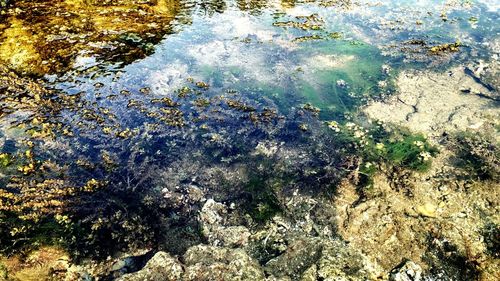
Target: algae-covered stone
{"x":205,"y":262}
{"x":162,"y":267}
{"x":308,"y":258}
{"x":339,"y":261}
{"x":299,"y":256}
{"x":212,"y":221}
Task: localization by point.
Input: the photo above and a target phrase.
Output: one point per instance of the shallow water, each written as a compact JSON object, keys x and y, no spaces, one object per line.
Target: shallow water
{"x":254,"y":53}
{"x":220,"y":78}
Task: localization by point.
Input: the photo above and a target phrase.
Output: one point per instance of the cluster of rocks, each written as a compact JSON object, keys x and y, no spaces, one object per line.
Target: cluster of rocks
{"x":236,"y":253}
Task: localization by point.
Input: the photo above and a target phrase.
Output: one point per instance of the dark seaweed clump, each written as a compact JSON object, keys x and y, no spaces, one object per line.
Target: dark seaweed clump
{"x":477,"y":154}
{"x":446,"y":260}
{"x":491,"y":234}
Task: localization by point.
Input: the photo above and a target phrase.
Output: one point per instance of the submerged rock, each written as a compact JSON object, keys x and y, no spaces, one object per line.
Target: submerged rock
{"x":435,"y":103}
{"x":214,"y":229}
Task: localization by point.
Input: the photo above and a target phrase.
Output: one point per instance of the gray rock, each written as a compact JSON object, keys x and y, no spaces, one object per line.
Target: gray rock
{"x":408,"y":271}
{"x":205,"y":262}
{"x":161,"y":267}
{"x":298,"y":257}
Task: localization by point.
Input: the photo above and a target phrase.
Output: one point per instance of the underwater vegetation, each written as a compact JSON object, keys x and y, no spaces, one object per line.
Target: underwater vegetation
{"x":122,"y":120}
{"x":381,"y":144}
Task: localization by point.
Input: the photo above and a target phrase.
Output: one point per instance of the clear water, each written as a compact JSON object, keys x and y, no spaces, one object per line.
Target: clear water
{"x":238,"y":73}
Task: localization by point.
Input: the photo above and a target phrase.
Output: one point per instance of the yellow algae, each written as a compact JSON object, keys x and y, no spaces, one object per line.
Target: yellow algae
{"x":37,"y":265}
{"x":18,"y":48}
{"x":427,"y":210}
{"x":166,"y":7}
{"x":52,"y":33}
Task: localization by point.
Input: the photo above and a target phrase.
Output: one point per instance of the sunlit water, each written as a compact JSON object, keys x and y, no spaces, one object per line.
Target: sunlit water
{"x":249,"y":52}
{"x":350,"y":53}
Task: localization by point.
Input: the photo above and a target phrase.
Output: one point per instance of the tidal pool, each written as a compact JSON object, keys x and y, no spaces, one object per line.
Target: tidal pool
{"x":122,"y":120}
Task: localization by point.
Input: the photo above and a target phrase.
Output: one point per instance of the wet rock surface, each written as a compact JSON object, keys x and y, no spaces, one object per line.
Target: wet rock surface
{"x":437,"y":103}
{"x":160,"y":267}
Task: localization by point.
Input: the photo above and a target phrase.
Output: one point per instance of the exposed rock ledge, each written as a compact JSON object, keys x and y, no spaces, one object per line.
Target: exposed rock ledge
{"x":436,"y":103}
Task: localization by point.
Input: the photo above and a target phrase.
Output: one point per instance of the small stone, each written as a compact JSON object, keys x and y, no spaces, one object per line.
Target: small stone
{"x":195,"y":194}
{"x":427,"y":210}
{"x":409,"y":271}
{"x":465,"y":90}
{"x":386,"y":69}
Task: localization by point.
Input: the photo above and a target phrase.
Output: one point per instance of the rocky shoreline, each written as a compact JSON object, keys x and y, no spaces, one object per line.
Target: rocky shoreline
{"x":436,"y":225}
{"x":271,"y":198}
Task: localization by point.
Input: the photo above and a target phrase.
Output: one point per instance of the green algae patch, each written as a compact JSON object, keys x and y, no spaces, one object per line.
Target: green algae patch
{"x":382,"y":146}
{"x":263,"y":204}
{"x":339,"y":77}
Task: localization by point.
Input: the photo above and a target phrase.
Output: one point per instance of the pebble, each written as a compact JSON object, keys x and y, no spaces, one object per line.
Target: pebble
{"x":427,"y":210}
